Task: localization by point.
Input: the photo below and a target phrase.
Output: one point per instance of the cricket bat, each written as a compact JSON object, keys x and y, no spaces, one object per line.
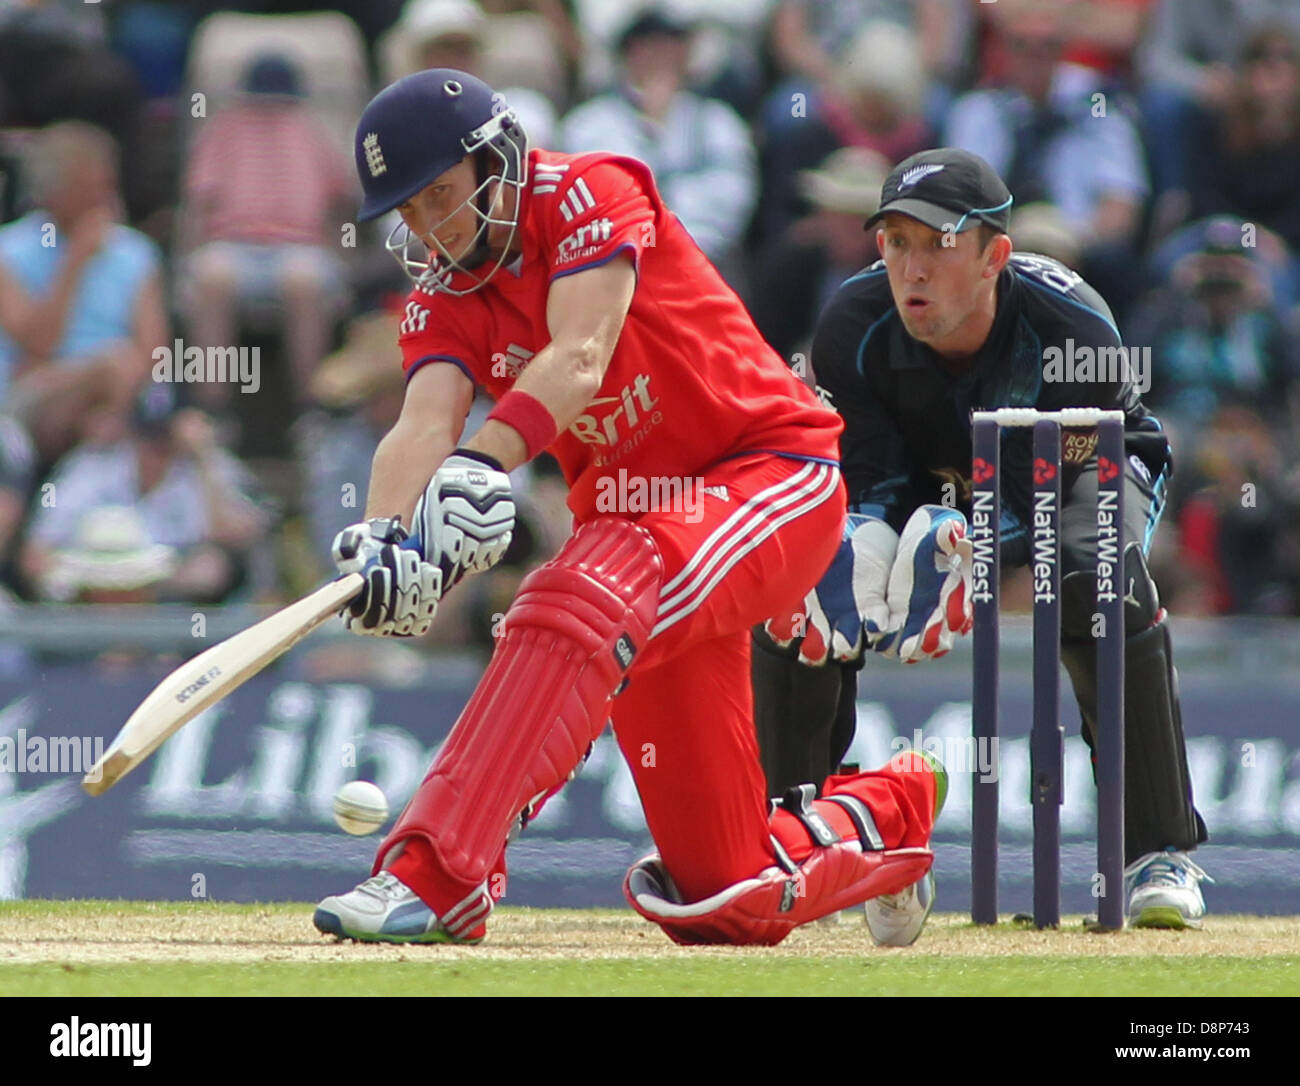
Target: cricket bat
{"x":210,"y":676}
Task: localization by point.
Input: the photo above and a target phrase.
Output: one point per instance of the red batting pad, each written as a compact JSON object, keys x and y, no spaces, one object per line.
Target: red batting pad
{"x":569,"y":638}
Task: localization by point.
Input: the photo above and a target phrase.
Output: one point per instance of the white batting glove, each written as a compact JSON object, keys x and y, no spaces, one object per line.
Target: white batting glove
{"x":401,"y":593}
{"x":464,"y":519}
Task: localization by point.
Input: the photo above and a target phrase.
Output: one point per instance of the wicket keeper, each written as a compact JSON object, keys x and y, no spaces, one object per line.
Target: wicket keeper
{"x":949,"y":320}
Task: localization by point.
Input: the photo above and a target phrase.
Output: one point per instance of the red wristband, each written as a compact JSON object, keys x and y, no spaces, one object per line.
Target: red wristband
{"x":528,"y":416}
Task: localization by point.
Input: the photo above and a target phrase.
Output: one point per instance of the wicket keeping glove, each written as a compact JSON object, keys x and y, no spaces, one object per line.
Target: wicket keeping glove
{"x":847,"y":608}
{"x":401,"y":592}
{"x":929,"y":590}
{"x":465,"y":517}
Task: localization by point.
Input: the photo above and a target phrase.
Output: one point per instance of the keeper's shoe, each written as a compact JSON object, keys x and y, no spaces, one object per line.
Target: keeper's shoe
{"x":897,"y":919}
{"x":383,"y":909}
{"x":1164,"y":891}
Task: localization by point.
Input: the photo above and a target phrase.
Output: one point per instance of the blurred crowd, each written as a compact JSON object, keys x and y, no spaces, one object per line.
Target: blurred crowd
{"x":198,"y":344}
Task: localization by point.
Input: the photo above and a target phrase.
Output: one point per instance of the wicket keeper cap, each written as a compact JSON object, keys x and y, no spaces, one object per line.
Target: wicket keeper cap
{"x":947,"y":189}
{"x":418,"y":128}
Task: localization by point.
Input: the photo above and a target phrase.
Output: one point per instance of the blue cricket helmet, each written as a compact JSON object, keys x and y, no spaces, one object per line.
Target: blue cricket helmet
{"x":419,"y":128}
{"x":416,"y":129}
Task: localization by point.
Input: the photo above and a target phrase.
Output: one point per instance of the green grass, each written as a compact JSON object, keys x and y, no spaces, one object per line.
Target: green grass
{"x":204,"y":948}
{"x":1019,"y":975}
{"x":92,"y":909}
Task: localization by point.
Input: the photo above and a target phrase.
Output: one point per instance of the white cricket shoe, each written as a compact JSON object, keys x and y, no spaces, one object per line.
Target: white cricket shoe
{"x":1164,"y":891}
{"x":897,"y":919}
{"x":383,"y":909}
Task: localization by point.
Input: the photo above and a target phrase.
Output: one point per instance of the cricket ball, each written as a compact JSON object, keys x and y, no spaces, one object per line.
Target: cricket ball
{"x":360,"y":807}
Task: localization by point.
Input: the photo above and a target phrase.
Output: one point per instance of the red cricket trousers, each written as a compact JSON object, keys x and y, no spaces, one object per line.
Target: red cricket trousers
{"x":765,"y":530}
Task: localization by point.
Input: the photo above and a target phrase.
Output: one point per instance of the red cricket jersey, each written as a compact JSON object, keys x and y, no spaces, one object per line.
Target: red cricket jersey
{"x":691,"y":381}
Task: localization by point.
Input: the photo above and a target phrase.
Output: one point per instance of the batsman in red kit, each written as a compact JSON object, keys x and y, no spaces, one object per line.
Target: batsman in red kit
{"x":562,"y":286}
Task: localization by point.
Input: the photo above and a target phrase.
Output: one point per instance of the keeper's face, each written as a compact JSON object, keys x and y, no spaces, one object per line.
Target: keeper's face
{"x":942,"y":283}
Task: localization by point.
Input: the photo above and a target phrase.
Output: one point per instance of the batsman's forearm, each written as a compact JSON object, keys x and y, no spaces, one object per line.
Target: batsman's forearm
{"x":564,"y":379}
{"x":501,"y":442}
{"x":403,"y":464}
{"x":566,"y":374}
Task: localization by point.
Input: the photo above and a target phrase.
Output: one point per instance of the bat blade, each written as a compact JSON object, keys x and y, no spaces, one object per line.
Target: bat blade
{"x":210,"y":676}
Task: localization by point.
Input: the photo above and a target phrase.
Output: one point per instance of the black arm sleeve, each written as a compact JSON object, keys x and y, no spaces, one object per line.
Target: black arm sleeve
{"x":872,"y":454}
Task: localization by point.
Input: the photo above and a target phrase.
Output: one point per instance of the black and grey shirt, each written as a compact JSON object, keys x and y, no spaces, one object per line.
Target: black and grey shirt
{"x":907,"y":435}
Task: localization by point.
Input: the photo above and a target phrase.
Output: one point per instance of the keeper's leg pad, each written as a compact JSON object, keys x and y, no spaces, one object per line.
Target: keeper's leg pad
{"x":795,"y":712}
{"x":1158,"y":806}
{"x":569,"y":638}
{"x":846,"y":716}
{"x":764,"y":909}
{"x":1079,"y":598}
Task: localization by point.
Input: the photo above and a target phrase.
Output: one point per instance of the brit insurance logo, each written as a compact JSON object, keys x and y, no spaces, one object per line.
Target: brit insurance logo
{"x":618,"y":424}
{"x":585,"y":241}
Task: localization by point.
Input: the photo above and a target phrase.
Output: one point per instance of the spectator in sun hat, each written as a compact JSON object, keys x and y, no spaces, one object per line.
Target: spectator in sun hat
{"x":874,"y":100}
{"x":111,"y":559}
{"x":458,"y":34}
{"x":189,"y":492}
